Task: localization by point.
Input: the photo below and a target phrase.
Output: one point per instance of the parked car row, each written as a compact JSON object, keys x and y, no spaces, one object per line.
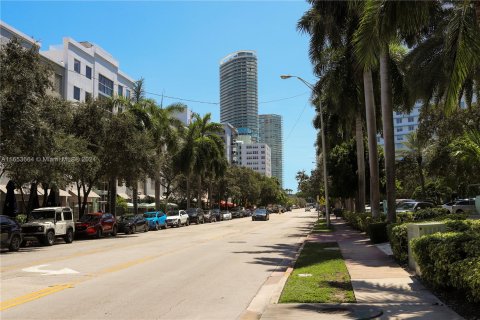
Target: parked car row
{"x":46,"y":224}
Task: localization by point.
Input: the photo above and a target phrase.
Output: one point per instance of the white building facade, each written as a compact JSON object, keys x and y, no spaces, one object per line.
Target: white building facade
{"x":256,"y":156}
{"x":90,"y":71}
{"x":230,"y":140}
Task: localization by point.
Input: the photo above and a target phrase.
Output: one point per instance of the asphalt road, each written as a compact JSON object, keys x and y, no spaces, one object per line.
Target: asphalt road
{"x":209,"y":271}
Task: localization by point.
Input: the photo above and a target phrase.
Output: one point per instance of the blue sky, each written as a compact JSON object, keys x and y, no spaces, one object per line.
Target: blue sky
{"x":177,"y":46}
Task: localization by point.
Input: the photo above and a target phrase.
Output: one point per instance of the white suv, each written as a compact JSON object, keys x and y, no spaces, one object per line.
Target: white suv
{"x":461,"y":206}
{"x":45,"y":224}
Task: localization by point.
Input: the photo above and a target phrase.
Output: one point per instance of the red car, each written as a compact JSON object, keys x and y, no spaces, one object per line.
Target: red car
{"x":96,"y":224}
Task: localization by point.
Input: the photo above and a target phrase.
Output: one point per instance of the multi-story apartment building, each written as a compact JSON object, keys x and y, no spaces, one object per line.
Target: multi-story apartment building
{"x":90,"y":71}
{"x":185,"y":116}
{"x":230,"y":140}
{"x":403,"y":124}
{"x":271,"y":133}
{"x":255,"y":156}
{"x":239,"y":91}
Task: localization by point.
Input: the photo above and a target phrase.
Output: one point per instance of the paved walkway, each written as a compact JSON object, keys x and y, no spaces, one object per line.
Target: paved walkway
{"x":382,"y":288}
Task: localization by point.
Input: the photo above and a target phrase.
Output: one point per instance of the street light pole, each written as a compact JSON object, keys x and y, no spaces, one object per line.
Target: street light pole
{"x":324,"y":151}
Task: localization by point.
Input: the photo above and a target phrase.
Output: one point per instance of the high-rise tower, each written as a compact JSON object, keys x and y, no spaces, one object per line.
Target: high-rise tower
{"x":239,"y":91}
{"x":271,"y":133}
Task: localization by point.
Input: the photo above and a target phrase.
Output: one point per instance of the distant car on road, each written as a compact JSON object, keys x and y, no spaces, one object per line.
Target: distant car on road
{"x":177,"y":218}
{"x":307,"y":209}
{"x":464,"y":206}
{"x":261,"y":214}
{"x":96,"y":224}
{"x":209,"y":216}
{"x":412,"y":206}
{"x":156,"y":220}
{"x":217,"y":213}
{"x":11,"y":233}
{"x":226,"y":215}
{"x":132,"y":223}
{"x":196,"y":215}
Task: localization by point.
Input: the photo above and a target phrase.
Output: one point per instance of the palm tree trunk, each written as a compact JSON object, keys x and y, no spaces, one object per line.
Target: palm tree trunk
{"x":157,"y":193}
{"x":199,"y":196}
{"x":387,"y":117}
{"x":135,"y":197}
{"x":360,"y":162}
{"x":420,"y":173}
{"x":372,"y":143}
{"x":477,"y":11}
{"x":188,"y":191}
{"x":113,"y":196}
{"x":45,"y":194}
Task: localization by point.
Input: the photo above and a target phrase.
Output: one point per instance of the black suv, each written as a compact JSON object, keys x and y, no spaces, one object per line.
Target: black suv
{"x":195,"y":215}
{"x":11,"y":233}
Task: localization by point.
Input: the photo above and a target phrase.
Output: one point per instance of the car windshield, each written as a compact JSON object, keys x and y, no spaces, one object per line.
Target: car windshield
{"x":172,"y":213}
{"x":191,"y":210}
{"x":43,"y":215}
{"x":89,"y":218}
{"x":150,"y":215}
{"x":127,"y":218}
{"x":260,"y":211}
{"x":225,"y":212}
{"x":406,"y":205}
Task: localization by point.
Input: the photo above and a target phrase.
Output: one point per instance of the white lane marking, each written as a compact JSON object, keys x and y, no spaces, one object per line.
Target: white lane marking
{"x":46,"y":272}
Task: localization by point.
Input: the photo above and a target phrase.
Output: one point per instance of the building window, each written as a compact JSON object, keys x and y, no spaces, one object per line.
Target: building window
{"x":58,"y":84}
{"x":76,"y":93}
{"x":76,"y":65}
{"x":399,"y":120}
{"x":88,"y":72}
{"x":105,"y":85}
{"x":411,"y":119}
{"x":399,"y":129}
{"x":120,"y":90}
{"x":127,"y":94}
{"x":411,"y":128}
{"x":399,"y":138}
{"x":88,"y":96}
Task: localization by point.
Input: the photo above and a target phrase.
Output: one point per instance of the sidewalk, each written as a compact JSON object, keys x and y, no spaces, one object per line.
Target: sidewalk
{"x":383,"y":289}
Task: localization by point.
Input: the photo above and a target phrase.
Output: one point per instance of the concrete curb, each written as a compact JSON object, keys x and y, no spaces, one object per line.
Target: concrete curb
{"x":271,"y":289}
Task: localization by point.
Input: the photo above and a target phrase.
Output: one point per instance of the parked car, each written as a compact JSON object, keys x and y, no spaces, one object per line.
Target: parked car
{"x":464,"y":206}
{"x":449,"y":205}
{"x":261,"y":214}
{"x":132,"y":223}
{"x":156,"y":220}
{"x":412,"y":206}
{"x":46,"y":224}
{"x":248,"y":212}
{"x":195,"y":215}
{"x":236,"y":213}
{"x":96,"y":224}
{"x":11,"y":234}
{"x":307,"y":209}
{"x":209,"y":216}
{"x":226,"y":215}
{"x":217,"y":213}
{"x":177,"y":218}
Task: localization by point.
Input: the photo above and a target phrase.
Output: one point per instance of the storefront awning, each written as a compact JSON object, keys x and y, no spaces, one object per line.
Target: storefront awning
{"x":123,"y":195}
{"x":90,"y":195}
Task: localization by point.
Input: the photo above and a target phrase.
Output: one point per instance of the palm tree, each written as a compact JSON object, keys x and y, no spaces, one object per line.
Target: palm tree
{"x":330,"y":25}
{"x":417,"y":148}
{"x":165,"y":130}
{"x":209,"y":149}
{"x":381,"y":24}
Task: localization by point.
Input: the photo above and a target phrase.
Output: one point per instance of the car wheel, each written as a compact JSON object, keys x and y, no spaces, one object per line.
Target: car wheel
{"x":188,"y":222}
{"x":15,"y":243}
{"x":69,"y":236}
{"x":459,"y":211}
{"x":203,"y":221}
{"x":145,"y":227}
{"x":134,"y":229}
{"x":114,"y":231}
{"x":165,"y":225}
{"x":156,"y":226}
{"x":99,"y":233}
{"x":49,"y":238}
{"x":253,"y":219}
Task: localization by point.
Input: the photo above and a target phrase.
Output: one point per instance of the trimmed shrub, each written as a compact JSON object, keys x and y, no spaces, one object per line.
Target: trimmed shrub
{"x":378,"y":232}
{"x":435,"y":253}
{"x":429,"y":214}
{"x":463,"y":225}
{"x":465,"y":275}
{"x":398,"y":236}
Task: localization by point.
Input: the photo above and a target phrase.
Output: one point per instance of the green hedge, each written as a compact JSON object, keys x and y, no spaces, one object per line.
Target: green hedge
{"x":450,"y":260}
{"x":361,"y":221}
{"x":398,"y":235}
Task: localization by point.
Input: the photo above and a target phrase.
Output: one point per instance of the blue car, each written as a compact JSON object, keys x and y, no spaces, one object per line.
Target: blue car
{"x":156,"y":220}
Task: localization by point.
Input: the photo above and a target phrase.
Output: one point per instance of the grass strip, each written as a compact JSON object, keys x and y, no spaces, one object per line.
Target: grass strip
{"x":321,"y":226}
{"x":319,"y":276}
